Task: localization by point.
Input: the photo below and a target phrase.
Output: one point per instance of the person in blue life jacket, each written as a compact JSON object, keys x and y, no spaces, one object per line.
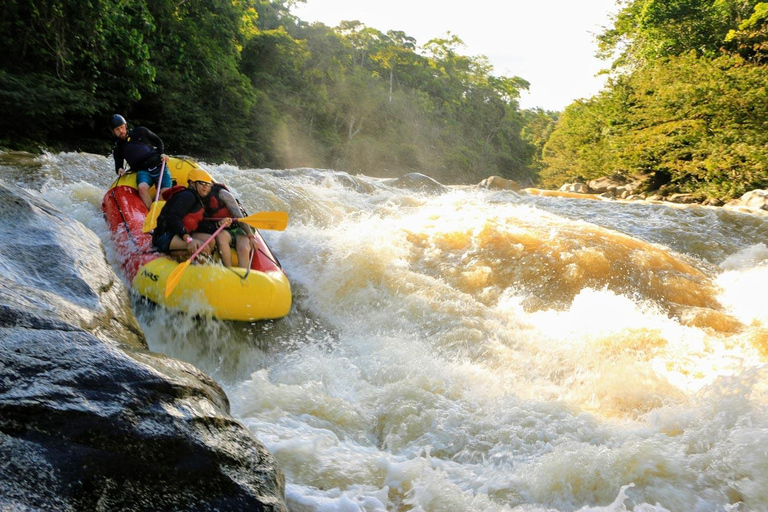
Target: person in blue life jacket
{"x":178,"y":225}
{"x":143,"y":150}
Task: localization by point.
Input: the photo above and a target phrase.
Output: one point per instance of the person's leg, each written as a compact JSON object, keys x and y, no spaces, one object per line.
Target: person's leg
{"x":166,"y":184}
{"x":177,"y":244}
{"x":178,"y":249}
{"x":203,"y":237}
{"x":223,"y":240}
{"x":143,"y":181}
{"x":144,"y":194}
{"x":243,"y":249}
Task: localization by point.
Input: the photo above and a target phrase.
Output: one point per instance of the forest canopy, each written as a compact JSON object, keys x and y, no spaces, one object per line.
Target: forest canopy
{"x":687,"y":101}
{"x":247,"y":82}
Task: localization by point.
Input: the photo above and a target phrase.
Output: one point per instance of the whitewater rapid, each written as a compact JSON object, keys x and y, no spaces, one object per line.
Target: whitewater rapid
{"x":481,"y":350}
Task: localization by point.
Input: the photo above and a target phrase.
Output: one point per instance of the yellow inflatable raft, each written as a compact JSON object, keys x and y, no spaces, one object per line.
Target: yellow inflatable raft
{"x":228,"y":293}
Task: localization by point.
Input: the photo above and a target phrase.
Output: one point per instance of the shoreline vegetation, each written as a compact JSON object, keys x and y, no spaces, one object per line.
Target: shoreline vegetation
{"x":684,"y":112}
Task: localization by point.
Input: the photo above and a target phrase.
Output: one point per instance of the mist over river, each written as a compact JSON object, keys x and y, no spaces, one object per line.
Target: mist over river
{"x":483,"y":350}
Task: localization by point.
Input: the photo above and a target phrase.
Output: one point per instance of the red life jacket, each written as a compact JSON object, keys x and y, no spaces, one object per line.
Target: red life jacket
{"x":193,"y":218}
{"x":167,"y":193}
{"x":216,"y":207}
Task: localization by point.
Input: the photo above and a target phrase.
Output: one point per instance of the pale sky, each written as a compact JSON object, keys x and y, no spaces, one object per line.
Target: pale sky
{"x":549,"y":43}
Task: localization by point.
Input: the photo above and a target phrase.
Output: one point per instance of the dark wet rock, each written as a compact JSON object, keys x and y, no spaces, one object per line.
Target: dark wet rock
{"x":53,"y":267}
{"x":89,"y":418}
{"x":418,"y":182}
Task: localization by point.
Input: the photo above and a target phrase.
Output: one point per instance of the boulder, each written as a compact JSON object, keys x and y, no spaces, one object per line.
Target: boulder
{"x":578,"y":188}
{"x":683,"y":198}
{"x":648,"y":182}
{"x":499,"y":183}
{"x":606,"y":184}
{"x":752,"y":200}
{"x":89,"y":418}
{"x":713,"y":201}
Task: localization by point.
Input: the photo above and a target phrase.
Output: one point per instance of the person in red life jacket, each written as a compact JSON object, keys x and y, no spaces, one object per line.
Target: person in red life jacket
{"x":220,"y":203}
{"x":177,"y":231}
{"x":143,"y":150}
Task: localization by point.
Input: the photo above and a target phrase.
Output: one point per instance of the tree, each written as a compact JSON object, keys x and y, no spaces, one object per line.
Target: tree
{"x":699,"y":121}
{"x":645,"y":30}
{"x":60,"y":71}
{"x":750,"y":39}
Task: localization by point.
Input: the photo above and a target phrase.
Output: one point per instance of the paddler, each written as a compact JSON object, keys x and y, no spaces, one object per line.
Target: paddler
{"x":143,"y":150}
{"x":177,"y":231}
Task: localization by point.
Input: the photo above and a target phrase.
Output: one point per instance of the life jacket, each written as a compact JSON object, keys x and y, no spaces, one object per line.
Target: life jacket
{"x":216,"y":207}
{"x":169,"y":192}
{"x":192,"y":218}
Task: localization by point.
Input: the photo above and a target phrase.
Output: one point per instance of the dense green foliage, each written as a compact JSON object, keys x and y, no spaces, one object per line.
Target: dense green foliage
{"x":245,"y":81}
{"x":687,"y":101}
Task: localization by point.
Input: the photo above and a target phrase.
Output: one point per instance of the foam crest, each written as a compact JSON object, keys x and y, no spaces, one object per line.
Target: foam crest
{"x":744,"y":283}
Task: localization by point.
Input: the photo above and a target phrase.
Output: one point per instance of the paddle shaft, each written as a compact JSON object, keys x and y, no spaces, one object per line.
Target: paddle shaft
{"x":202,"y":246}
{"x":160,"y":181}
{"x":175,"y":277}
{"x":263,"y":220}
{"x":234,"y":219}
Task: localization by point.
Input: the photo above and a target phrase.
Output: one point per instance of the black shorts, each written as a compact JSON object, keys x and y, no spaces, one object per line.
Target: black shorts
{"x":207,"y":226}
{"x":210,"y":227}
{"x":162,"y":241}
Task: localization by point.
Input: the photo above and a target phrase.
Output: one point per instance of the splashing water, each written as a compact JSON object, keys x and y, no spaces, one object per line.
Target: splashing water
{"x":481,"y":350}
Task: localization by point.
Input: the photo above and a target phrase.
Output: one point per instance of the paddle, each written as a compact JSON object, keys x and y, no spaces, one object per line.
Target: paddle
{"x":154,"y":210}
{"x":276,"y":221}
{"x":175,"y":276}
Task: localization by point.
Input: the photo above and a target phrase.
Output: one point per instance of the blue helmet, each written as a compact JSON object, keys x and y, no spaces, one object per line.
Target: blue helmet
{"x":117,"y":120}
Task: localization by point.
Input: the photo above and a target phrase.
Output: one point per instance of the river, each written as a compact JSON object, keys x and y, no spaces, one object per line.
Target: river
{"x":484,"y":350}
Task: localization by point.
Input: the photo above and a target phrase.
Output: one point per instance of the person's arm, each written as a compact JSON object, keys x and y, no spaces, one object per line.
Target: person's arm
{"x":156,"y":141}
{"x":234,"y":209}
{"x":117,"y":152}
{"x":175,"y":215}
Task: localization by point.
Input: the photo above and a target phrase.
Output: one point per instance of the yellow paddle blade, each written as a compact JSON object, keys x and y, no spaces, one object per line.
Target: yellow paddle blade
{"x":175,"y":277}
{"x":276,"y":221}
{"x":150,"y":222}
